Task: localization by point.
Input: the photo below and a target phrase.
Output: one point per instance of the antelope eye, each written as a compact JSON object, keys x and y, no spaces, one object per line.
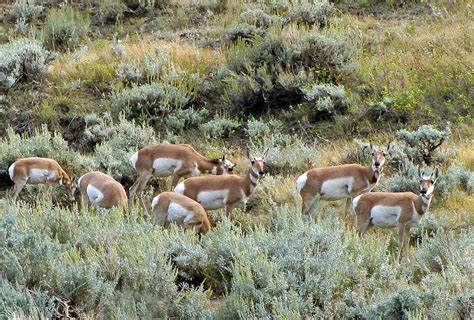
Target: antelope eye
{"x":253,"y":161}
{"x":432,"y":181}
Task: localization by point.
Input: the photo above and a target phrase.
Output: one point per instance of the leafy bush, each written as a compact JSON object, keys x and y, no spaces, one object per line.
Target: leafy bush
{"x":269,"y":72}
{"x":25,"y":10}
{"x":220,"y":127}
{"x":22,"y":60}
{"x":312,"y":13}
{"x":152,"y":68}
{"x":111,"y":11}
{"x":328,"y":101}
{"x":123,"y":140}
{"x":64,"y":28}
{"x":422,"y":144}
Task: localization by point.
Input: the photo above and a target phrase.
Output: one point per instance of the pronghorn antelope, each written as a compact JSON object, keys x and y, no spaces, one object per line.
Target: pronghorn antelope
{"x":39,"y":171}
{"x":395,"y":209}
{"x":215,"y":192}
{"x":174,"y":207}
{"x":101,"y":190}
{"x":176,"y":160}
{"x":338,"y":182}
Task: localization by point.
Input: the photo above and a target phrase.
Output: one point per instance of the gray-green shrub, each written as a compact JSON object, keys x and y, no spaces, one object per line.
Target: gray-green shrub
{"x":124,"y":139}
{"x":65,"y":28}
{"x":111,"y":11}
{"x":317,"y":13}
{"x":23,"y":60}
{"x":326,"y":100}
{"x":26,"y":10}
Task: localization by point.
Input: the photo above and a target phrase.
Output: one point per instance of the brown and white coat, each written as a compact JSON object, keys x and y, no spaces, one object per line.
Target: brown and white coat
{"x":215,"y":192}
{"x":338,"y":182}
{"x":172,"y":207}
{"x":394,"y":209}
{"x":101,"y":190}
{"x":36,"y":170}
{"x":176,"y":160}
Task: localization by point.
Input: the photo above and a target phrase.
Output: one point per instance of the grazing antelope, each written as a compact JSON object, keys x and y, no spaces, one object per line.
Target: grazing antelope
{"x":174,"y":207}
{"x":176,"y":160}
{"x":395,"y":209}
{"x":101,"y":190}
{"x":338,"y":182}
{"x":215,"y":192}
{"x":37,"y":170}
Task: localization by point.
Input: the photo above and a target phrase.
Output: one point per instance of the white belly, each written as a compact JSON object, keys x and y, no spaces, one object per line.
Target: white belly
{"x":177,"y":213}
{"x":94,"y":194}
{"x":39,"y":176}
{"x":335,"y":189}
{"x":164,"y":167}
{"x":211,"y":200}
{"x":385,"y":216}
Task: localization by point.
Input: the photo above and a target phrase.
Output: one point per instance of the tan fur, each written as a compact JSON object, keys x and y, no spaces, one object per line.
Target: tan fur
{"x":412,"y":209}
{"x":200,"y":220}
{"x":239,"y":188}
{"x":191,"y":160}
{"x":22,"y":173}
{"x":113,"y":191}
{"x":365,"y":179}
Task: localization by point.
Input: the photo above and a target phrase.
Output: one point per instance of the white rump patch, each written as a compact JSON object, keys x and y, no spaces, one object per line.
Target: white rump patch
{"x":335,"y":189}
{"x":179,"y":188}
{"x":301,"y":181}
{"x":11,"y":171}
{"x":211,"y":200}
{"x":355,"y":202}
{"x":155,"y":201}
{"x":177,"y":213}
{"x":78,"y":182}
{"x":94,"y":194}
{"x":134,"y":159}
{"x":385,"y":216}
{"x":164,"y":167}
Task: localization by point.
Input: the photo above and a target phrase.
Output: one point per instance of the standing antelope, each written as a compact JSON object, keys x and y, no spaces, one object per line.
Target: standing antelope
{"x":395,"y":209}
{"x":101,"y":190}
{"x":338,"y":182}
{"x":174,"y":207}
{"x":215,"y":192}
{"x":39,"y":171}
{"x":176,"y":160}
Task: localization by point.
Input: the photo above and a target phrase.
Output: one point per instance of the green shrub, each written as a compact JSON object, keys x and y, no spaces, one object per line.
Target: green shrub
{"x":111,"y":11}
{"x":220,"y":127}
{"x":422,"y":144}
{"x":26,"y":10}
{"x":326,"y":101}
{"x":124,"y":139}
{"x":269,"y":72}
{"x":152,"y":68}
{"x":22,"y":60}
{"x":64,"y":28}
{"x":312,"y":13}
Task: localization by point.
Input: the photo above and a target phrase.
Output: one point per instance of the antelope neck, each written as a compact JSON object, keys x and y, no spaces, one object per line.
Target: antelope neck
{"x":372,"y":175}
{"x":252,"y":180}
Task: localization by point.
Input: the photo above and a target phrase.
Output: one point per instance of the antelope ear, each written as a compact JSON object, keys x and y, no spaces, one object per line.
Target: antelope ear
{"x":265,"y":153}
{"x":372,"y":148}
{"x":248,"y":154}
{"x":420,"y":172}
{"x":388,"y":146}
{"x":223,"y":157}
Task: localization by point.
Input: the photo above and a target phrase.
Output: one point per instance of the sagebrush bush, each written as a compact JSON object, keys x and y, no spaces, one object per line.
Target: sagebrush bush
{"x":111,"y":11}
{"x":422,"y":144}
{"x":220,"y":127}
{"x":153,"y":67}
{"x":26,"y":10}
{"x":269,"y":72}
{"x":317,"y":13}
{"x":65,"y":28}
{"x":123,"y":140}
{"x":23,"y":60}
{"x":326,"y":100}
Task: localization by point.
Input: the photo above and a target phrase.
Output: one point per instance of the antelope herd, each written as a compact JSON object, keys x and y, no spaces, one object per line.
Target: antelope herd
{"x":189,"y":200}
